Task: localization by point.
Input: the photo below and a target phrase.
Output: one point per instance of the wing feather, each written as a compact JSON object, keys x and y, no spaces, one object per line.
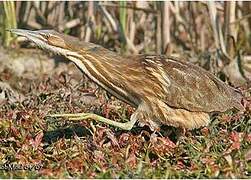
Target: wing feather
{"x":190,"y":87}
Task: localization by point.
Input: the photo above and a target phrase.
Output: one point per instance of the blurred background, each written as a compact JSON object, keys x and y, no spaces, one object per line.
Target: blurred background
{"x":215,"y":35}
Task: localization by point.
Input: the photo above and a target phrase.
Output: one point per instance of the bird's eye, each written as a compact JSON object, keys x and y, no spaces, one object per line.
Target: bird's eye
{"x":45,"y":35}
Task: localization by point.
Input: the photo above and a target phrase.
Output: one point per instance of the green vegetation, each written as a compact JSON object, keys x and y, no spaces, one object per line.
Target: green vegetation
{"x":8,"y":20}
{"x":213,"y":35}
{"x":67,"y":149}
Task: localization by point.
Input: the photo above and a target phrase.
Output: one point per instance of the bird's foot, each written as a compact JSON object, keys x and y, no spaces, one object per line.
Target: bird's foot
{"x":84,"y":116}
{"x":76,"y":116}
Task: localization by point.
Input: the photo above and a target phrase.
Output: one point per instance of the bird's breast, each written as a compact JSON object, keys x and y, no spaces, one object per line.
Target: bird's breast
{"x":99,"y":77}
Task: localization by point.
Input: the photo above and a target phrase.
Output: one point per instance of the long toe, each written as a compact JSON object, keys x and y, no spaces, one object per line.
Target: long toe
{"x":79,"y":118}
{"x":67,"y":115}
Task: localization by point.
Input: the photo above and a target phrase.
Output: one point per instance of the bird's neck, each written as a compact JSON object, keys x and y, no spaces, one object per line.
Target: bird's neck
{"x":103,"y":67}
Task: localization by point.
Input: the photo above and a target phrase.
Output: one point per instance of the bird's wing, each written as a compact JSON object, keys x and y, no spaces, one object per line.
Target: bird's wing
{"x":190,"y":87}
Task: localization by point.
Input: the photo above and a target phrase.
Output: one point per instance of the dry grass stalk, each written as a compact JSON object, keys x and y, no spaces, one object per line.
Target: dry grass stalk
{"x":166,"y":26}
{"x":109,"y":17}
{"x":230,"y":29}
{"x":90,"y":21}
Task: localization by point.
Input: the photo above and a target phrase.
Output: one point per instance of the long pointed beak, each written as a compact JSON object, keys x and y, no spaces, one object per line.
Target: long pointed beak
{"x":26,"y":33}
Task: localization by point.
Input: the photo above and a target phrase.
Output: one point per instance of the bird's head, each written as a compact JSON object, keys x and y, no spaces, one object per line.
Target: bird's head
{"x":49,"y":39}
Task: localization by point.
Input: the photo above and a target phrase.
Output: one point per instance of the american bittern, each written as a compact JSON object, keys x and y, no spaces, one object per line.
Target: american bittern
{"x":162,"y":89}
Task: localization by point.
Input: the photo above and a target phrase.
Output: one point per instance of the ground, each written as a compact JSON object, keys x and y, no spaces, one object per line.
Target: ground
{"x":34,"y":85}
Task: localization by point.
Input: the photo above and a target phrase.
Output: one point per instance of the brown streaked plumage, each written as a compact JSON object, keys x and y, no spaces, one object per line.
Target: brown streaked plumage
{"x":163,"y":89}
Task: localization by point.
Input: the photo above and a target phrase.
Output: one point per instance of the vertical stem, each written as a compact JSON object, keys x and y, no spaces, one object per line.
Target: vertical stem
{"x":158,"y":31}
{"x":213,"y":14}
{"x":229,"y":29}
{"x":90,"y":20}
{"x":9,"y":21}
{"x":122,"y":19}
{"x":165,"y":26}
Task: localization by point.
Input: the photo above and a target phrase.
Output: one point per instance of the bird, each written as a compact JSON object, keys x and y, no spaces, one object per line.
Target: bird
{"x":163,"y":90}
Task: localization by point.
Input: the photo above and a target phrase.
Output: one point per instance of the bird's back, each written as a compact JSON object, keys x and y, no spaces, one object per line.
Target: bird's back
{"x":190,"y":87}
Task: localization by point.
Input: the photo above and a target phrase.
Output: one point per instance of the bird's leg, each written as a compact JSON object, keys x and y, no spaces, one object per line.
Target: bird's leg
{"x":83,"y":116}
